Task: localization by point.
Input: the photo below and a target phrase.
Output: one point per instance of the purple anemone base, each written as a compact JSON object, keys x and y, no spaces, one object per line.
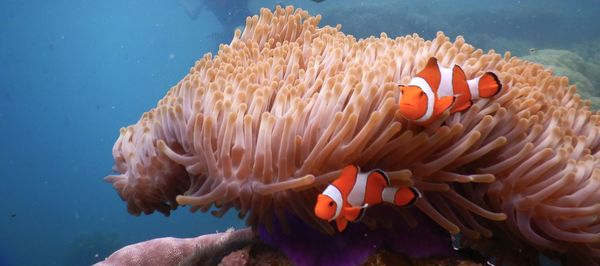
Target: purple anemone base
{"x":304,"y":245}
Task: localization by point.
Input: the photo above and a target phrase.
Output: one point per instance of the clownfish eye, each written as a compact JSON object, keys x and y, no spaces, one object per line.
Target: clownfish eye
{"x":331,"y":204}
{"x":421,"y":94}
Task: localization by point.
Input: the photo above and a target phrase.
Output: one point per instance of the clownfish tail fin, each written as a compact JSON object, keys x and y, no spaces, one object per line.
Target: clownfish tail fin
{"x":401,"y":196}
{"x":489,"y":85}
{"x":417,"y":196}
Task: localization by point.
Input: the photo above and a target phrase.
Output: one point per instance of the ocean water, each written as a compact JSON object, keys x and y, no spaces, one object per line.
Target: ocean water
{"x":73,"y":72}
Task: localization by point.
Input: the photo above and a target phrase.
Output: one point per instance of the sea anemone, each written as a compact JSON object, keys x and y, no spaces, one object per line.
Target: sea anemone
{"x":275,"y":115}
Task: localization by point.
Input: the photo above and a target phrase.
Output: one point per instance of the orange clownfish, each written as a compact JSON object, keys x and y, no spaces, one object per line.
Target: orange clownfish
{"x":435,"y":89}
{"x":347,"y":197}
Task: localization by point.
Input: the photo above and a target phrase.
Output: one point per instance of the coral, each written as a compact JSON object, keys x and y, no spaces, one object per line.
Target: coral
{"x":588,"y":50}
{"x":172,"y":251}
{"x":488,"y":25}
{"x":263,"y":125}
{"x":216,"y":252}
{"x":583,"y":73}
{"x":256,"y":254}
{"x":236,"y":258}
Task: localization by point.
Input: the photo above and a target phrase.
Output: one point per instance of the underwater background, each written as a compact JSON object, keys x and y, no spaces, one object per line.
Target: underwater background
{"x":73,"y":72}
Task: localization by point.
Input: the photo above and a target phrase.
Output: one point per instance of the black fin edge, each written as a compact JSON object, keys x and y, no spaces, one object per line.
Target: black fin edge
{"x":385,"y":175}
{"x":497,"y":81}
{"x":415,"y":199}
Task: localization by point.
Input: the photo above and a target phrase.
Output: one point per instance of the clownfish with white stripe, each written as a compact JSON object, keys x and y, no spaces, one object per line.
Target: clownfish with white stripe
{"x":436,"y":89}
{"x":347,"y":197}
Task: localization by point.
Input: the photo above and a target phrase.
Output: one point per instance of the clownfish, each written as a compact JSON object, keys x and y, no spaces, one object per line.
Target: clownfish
{"x":347,"y":197}
{"x":436,"y":89}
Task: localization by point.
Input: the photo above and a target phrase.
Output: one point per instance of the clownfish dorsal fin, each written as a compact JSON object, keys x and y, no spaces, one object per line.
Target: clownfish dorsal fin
{"x":347,"y":178}
{"x":431,"y":73}
{"x":442,"y":104}
{"x":341,"y":223}
{"x":432,"y":63}
{"x":384,"y":175}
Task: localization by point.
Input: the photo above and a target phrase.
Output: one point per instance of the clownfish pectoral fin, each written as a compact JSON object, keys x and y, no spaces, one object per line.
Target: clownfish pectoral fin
{"x":351,"y":213}
{"x":354,"y":214}
{"x":341,"y":223}
{"x":489,"y":85}
{"x":442,"y":104}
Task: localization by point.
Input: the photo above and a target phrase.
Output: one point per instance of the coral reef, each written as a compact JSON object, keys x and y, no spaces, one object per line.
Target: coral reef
{"x":238,"y":248}
{"x":514,"y":27}
{"x":172,"y":251}
{"x":274,"y":116}
{"x":589,"y":50}
{"x":583,"y":73}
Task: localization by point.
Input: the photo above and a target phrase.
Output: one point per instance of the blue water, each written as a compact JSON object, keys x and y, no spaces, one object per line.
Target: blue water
{"x":73,"y":72}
